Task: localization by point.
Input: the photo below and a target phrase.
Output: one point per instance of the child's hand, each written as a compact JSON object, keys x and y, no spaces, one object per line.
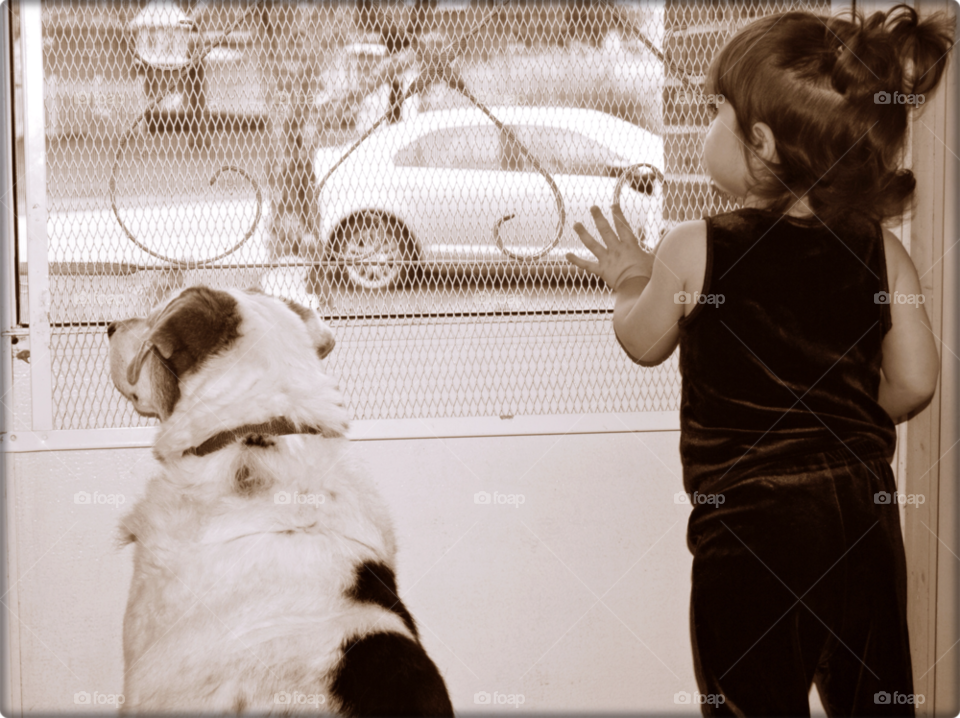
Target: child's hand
{"x":621,"y":258}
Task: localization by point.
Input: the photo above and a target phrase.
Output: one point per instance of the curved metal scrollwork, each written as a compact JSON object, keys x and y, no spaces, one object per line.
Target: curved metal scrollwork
{"x":625,"y":176}
{"x":181,"y":70}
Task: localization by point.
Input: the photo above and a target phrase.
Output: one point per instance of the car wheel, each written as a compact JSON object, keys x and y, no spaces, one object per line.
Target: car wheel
{"x":374,"y":250}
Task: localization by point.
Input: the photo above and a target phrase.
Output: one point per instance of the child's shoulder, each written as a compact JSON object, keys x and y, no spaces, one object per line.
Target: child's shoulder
{"x":897,"y":257}
{"x":685,"y":239}
{"x":683,"y":250}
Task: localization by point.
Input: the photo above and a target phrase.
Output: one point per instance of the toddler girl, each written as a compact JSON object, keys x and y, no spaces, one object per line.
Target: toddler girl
{"x":800,"y":348}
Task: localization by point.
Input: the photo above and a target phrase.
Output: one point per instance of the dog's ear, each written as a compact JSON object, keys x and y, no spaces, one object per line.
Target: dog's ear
{"x":320,"y":334}
{"x":197,"y":323}
{"x":134,"y":368}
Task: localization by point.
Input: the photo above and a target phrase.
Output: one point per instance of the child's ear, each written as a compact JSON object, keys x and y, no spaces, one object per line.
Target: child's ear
{"x":764,"y":143}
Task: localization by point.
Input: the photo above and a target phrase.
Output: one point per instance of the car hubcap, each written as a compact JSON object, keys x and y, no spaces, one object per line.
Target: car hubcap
{"x":374,"y":251}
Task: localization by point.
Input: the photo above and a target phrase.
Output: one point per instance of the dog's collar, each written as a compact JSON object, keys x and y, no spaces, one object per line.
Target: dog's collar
{"x":279,"y":426}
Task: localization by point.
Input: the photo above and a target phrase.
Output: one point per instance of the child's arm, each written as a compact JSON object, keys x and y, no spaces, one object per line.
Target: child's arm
{"x":646,"y":312}
{"x":645,"y":316}
{"x":910,"y":366}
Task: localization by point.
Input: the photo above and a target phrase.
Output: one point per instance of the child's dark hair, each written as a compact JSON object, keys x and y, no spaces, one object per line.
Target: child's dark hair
{"x":826,"y":88}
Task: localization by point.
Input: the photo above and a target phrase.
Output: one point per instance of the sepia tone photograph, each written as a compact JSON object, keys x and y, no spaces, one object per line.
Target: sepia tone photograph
{"x":475,"y":357}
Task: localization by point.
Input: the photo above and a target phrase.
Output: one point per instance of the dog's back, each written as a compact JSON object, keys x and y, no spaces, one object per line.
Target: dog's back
{"x":264,"y":562}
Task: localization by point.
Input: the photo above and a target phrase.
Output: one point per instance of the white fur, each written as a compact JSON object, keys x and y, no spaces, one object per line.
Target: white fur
{"x":236,"y":598}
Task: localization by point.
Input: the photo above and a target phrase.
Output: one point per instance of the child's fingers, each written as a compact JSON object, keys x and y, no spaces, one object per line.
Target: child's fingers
{"x":607,"y":233}
{"x":624,"y":230}
{"x":588,"y":241}
{"x":592,"y":267}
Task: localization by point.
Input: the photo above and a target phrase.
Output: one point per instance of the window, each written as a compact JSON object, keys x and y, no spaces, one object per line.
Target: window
{"x":433,"y":320}
{"x":564,"y":151}
{"x":462,"y":148}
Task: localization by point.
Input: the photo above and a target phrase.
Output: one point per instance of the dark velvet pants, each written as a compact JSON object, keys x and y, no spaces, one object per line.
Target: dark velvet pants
{"x":799,"y":576}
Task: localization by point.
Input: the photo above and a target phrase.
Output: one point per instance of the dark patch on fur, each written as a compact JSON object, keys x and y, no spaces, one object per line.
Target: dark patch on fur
{"x":376,"y":583}
{"x":166,"y":385}
{"x":201,"y":323}
{"x":239,"y":705}
{"x":386,"y":674}
{"x":248,"y":483}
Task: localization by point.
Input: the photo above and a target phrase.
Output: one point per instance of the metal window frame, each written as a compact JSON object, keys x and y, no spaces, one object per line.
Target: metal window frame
{"x":35,"y":186}
{"x":10,"y":676}
{"x":371,"y":430}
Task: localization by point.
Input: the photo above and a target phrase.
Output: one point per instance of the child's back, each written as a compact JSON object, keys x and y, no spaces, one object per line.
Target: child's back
{"x":781,"y":355}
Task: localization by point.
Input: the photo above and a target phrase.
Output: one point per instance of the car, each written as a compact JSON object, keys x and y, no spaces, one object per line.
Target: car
{"x":428,"y":191}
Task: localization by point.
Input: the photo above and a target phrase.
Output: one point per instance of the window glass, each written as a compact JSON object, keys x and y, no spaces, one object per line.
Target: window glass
{"x":464,"y":148}
{"x":561,"y":151}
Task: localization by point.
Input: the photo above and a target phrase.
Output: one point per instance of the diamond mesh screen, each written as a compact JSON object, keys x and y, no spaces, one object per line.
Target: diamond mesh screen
{"x":204,"y":142}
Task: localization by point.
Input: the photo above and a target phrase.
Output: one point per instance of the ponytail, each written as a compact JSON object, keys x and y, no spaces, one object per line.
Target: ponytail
{"x":891,"y":51}
{"x":836,"y":92}
{"x":923,"y":47}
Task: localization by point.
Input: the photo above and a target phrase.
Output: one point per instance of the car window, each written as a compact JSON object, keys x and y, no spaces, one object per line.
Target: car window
{"x":560,"y":151}
{"x":464,"y":148}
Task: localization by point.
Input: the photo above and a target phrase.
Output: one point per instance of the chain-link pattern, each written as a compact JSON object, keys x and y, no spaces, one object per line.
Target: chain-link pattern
{"x":396,"y":249}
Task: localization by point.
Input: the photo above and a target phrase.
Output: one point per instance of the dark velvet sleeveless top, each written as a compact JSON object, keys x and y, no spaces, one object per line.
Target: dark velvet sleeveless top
{"x":780,"y":357}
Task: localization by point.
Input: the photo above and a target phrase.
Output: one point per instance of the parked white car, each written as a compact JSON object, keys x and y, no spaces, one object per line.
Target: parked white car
{"x":430,"y":190}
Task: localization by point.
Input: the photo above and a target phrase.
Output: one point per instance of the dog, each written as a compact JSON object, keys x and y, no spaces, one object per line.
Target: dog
{"x":264,"y":558}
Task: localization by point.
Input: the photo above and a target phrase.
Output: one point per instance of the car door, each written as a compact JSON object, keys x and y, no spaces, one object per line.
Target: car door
{"x":451,"y":179}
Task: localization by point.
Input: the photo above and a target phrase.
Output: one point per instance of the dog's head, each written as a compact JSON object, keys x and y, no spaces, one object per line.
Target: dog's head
{"x":226,"y":357}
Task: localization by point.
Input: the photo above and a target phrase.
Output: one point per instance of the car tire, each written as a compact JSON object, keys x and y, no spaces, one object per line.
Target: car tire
{"x":382,"y":246}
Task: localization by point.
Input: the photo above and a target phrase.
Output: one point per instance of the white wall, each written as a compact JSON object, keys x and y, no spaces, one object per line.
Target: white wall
{"x":577,"y":599}
{"x":506,"y":598}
